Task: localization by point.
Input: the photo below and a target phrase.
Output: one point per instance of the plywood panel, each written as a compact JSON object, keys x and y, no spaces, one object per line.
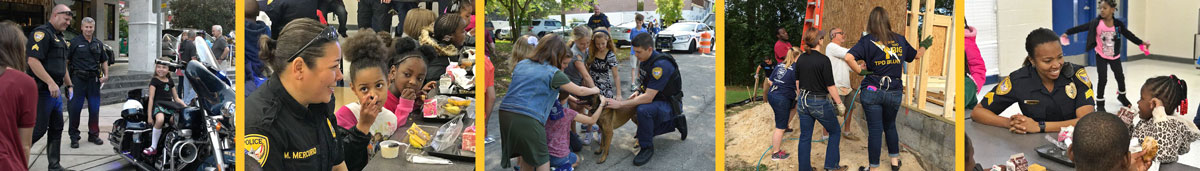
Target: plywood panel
{"x":852,"y":16}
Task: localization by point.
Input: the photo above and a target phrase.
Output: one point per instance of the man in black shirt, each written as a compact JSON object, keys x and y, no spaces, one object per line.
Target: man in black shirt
{"x":598,"y":19}
{"x":47,"y":50}
{"x":88,"y":64}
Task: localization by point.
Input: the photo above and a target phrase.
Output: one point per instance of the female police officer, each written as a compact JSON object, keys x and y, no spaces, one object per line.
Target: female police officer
{"x":1048,"y":99}
{"x":289,"y":117}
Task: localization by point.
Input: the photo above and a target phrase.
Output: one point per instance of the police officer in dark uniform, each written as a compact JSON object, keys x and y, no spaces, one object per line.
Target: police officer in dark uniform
{"x":289,"y":118}
{"x":87,"y":63}
{"x":48,"y":64}
{"x":1051,"y":93}
{"x":659,"y":100}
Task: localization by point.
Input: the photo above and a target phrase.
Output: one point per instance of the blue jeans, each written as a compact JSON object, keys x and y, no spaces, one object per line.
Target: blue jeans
{"x":820,"y":110}
{"x":782,"y":105}
{"x":86,"y":90}
{"x":563,"y":163}
{"x":881,"y":108}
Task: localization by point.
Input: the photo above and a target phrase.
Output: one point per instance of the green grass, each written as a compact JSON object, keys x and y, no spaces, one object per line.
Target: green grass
{"x":735,"y":94}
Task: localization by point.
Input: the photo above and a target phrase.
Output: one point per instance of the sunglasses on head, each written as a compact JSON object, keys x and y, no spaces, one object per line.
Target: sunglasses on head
{"x":68,"y":13}
{"x":329,"y":34}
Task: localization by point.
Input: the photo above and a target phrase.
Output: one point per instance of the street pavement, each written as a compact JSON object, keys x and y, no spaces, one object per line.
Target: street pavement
{"x":88,"y":156}
{"x":698,"y":71}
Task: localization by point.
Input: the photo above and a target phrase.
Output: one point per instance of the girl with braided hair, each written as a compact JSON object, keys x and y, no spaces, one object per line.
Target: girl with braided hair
{"x":1162,"y":96}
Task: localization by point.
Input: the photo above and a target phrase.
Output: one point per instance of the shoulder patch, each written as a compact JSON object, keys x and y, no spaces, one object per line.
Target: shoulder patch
{"x":1083,"y":77}
{"x":257,"y":146}
{"x":37,"y":36}
{"x":657,"y":72}
{"x":1004,"y":87}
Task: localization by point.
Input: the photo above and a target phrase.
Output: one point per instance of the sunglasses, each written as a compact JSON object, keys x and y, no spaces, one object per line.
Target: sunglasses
{"x":68,"y":13}
{"x":329,"y":34}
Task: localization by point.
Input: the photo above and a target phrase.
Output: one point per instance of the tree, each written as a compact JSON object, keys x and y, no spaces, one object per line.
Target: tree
{"x":751,"y":28}
{"x":669,"y":10}
{"x":202,"y":14}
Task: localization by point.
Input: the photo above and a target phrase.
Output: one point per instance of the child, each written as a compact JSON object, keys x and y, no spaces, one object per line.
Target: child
{"x":522,"y":49}
{"x":522,"y":119}
{"x":558,"y":129}
{"x":577,"y":71}
{"x":1161,"y":97}
{"x":448,"y":36}
{"x":164,"y":102}
{"x":406,"y":68}
{"x":1101,"y":142}
{"x":365,"y":51}
{"x":602,"y":64}
{"x":1102,"y":37}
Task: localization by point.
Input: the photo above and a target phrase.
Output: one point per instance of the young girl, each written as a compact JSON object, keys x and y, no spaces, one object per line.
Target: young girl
{"x":163,"y":102}
{"x":1102,"y":37}
{"x":602,"y":64}
{"x":406,"y":72}
{"x":522,"y":49}
{"x":366,"y":51}
{"x":1161,"y":97}
{"x":448,"y":36}
{"x":558,"y":128}
{"x":522,"y":118}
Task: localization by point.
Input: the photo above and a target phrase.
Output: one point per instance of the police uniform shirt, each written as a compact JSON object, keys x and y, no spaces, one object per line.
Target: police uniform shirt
{"x":814,"y":72}
{"x":47,"y":45}
{"x":883,"y":58}
{"x":1024,"y":87}
{"x":658,"y":76}
{"x":86,"y":56}
{"x":285,"y":135}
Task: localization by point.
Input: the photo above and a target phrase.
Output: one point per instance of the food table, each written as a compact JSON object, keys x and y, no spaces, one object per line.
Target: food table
{"x":993,"y":146}
{"x":379,"y":163}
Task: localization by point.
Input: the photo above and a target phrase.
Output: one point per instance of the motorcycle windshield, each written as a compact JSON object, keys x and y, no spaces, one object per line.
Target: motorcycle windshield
{"x":210,"y":87}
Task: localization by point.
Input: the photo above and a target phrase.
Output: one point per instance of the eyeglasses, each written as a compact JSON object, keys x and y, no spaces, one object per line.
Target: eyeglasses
{"x":330,"y":34}
{"x":68,"y":13}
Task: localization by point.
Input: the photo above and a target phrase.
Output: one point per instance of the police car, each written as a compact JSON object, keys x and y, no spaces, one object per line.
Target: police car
{"x":683,"y":36}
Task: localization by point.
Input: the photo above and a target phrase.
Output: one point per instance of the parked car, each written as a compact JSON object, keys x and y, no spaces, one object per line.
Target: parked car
{"x":620,"y":33}
{"x":542,"y":27}
{"x":502,"y":31}
{"x":684,"y":36}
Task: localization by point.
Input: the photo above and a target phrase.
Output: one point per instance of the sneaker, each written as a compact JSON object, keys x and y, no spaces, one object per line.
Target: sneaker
{"x":596,"y":133}
{"x":586,"y":137}
{"x":150,"y":151}
{"x":779,"y":155}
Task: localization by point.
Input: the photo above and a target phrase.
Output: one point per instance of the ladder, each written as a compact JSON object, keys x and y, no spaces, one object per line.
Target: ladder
{"x":812,"y":14}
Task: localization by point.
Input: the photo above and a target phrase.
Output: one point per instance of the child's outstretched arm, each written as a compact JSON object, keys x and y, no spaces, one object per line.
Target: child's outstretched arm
{"x":1080,"y":28}
{"x":584,"y":119}
{"x":579,"y":90}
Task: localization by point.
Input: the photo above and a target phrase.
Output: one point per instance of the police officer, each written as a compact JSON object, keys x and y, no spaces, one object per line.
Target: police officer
{"x":1051,"y":93}
{"x":659,"y":99}
{"x":87,"y":63}
{"x":290,"y":116}
{"x":48,"y":64}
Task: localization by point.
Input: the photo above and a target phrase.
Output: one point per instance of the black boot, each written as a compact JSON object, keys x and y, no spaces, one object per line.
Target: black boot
{"x":643,"y":156}
{"x":53,"y":151}
{"x":95,"y":140}
{"x":681,"y":125}
{"x":1100,"y":105}
{"x":1124,"y":101}
{"x":74,"y":143}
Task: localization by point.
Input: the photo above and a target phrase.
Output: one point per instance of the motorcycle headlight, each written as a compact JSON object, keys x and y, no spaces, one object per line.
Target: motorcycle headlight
{"x":228,"y":109}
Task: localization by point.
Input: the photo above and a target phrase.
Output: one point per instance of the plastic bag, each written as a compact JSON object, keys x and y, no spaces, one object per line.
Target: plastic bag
{"x":448,"y":134}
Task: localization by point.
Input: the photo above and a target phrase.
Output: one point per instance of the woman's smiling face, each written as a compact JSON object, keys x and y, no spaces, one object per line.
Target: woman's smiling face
{"x":1048,"y":60}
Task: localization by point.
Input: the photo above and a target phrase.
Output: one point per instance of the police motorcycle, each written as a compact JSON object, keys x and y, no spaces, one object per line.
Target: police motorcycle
{"x":198,"y":137}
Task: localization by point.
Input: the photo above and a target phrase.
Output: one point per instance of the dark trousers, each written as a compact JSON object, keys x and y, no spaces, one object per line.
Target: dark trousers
{"x":654,"y":119}
{"x":87,"y":89}
{"x":1118,"y":73}
{"x":50,"y":124}
{"x":881,"y":107}
{"x":338,"y":9}
{"x":401,"y":12}
{"x":366,"y":13}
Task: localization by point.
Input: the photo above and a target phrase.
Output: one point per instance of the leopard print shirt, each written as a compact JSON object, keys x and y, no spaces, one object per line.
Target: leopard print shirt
{"x":1173,"y":137}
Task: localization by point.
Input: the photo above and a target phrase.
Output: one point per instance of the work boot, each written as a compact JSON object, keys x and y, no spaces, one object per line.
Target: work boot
{"x":643,"y":156}
{"x":53,"y":150}
{"x":681,"y":125}
{"x":95,"y":140}
{"x":74,"y":143}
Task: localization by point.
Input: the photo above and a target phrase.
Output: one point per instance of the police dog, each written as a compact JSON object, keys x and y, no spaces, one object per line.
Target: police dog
{"x":609,"y":120}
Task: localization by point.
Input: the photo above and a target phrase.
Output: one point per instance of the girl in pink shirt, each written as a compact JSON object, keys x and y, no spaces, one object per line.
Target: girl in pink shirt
{"x":1102,"y":38}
